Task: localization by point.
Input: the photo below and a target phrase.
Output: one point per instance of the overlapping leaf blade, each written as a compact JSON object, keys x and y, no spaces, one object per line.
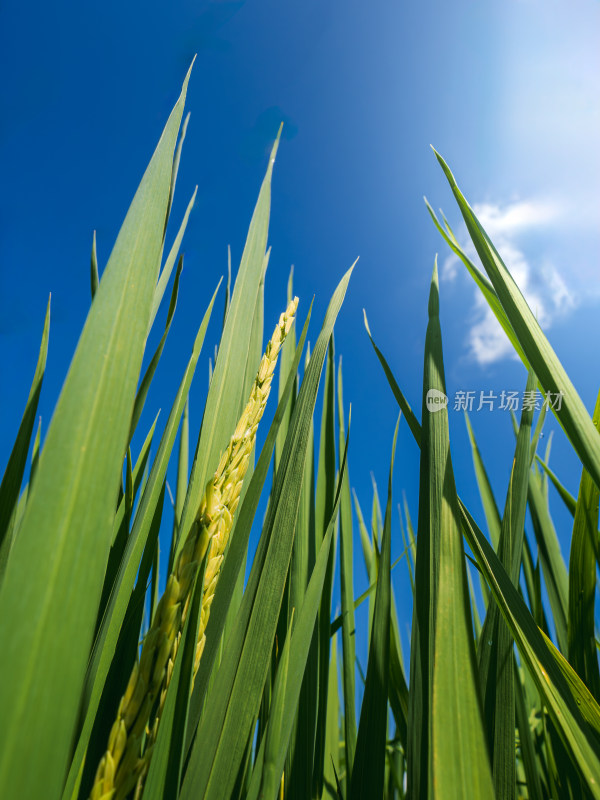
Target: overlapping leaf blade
{"x":534,"y":346}
{"x":236,"y":555}
{"x":15,"y":469}
{"x":53,"y":582}
{"x":566,"y":714}
{"x":106,"y":640}
{"x":495,"y":644}
{"x":234,"y":701}
{"x":226,"y":393}
{"x":368,"y":769}
{"x":459,"y":766}
{"x":347,"y":597}
{"x":582,"y":581}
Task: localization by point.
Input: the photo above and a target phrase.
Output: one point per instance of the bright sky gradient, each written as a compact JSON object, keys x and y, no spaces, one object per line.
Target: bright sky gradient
{"x":508,"y":92}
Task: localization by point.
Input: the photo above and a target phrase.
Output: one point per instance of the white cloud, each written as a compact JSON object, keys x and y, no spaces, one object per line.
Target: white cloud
{"x":518,"y":216}
{"x":543,"y":287}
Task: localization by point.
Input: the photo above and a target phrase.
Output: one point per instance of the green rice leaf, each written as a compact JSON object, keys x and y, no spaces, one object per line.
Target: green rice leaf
{"x":490,"y":509}
{"x":531,"y":575}
{"x":413,"y":422}
{"x":176,"y":160}
{"x":233,"y":704}
{"x":325,"y":496}
{"x":125,"y":654}
{"x":236,"y":554}
{"x":227,"y":288}
{"x":537,"y":433}
{"x":225,"y":398}
{"x":564,"y":493}
{"x":398,"y":689}
{"x":170,"y":262}
{"x":255,"y":343}
{"x":582,"y":581}
{"x":528,"y":754}
{"x":347,"y":596}
{"x":551,"y":560}
{"x":182,"y":477}
{"x":255,"y":350}
{"x":575,"y":733}
{"x":166,"y":765}
{"x":105,"y":643}
{"x":15,"y":469}
{"x":331,"y":766}
{"x":496,"y":644}
{"x":534,"y":348}
{"x":480,"y":279}
{"x":337,"y":622}
{"x":271,"y":778}
{"x":142,"y":392}
{"x":409,"y":565}
{"x":138,"y":473}
{"x":286,"y":358}
{"x":412,"y":539}
{"x":460,"y":766}
{"x":583,"y":697}
{"x":50,"y":593}
{"x":365,"y":542}
{"x":376,"y":519}
{"x":369,"y":759}
{"x":299,"y":648}
{"x":299,"y":767}
{"x":35,"y":451}
{"x":94,"y":277}
{"x":548,"y":678}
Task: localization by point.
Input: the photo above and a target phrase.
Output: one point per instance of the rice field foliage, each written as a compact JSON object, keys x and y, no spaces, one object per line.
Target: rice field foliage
{"x":209,"y":669}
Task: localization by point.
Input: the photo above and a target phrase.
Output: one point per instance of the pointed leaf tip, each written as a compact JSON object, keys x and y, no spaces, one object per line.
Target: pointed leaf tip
{"x":434,"y":292}
{"x":274,"y":150}
{"x":366,"y":322}
{"x":186,"y":79}
{"x":446,"y":168}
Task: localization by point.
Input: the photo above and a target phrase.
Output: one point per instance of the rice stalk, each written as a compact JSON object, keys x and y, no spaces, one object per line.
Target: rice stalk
{"x":123,"y":765}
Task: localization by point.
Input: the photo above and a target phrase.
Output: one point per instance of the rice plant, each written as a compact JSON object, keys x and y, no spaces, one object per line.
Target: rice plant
{"x":124,"y":677}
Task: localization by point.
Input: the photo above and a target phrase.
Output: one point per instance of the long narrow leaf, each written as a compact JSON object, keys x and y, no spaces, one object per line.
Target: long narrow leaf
{"x":299,"y":649}
{"x":575,"y":733}
{"x":564,"y":493}
{"x":369,"y":759}
{"x":167,"y":754}
{"x":142,"y":392}
{"x":15,"y":469}
{"x":170,"y":262}
{"x":236,"y":553}
{"x":225,"y":397}
{"x":582,"y":580}
{"x":496,"y":644}
{"x":106,"y":640}
{"x":347,"y":592}
{"x":233,"y":704}
{"x":325,"y":496}
{"x":460,"y":766}
{"x":52,"y":585}
{"x":566,"y":403}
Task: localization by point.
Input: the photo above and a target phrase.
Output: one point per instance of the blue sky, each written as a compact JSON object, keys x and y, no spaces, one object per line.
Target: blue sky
{"x":507,"y":92}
